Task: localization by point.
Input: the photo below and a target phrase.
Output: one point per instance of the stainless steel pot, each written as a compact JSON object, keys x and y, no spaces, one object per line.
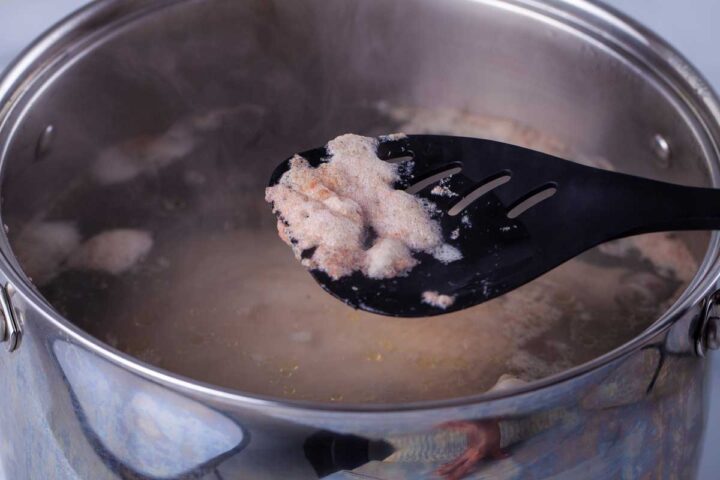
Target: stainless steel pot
{"x":604,"y":86}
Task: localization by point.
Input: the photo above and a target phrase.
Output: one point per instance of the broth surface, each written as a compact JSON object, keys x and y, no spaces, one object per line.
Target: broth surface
{"x":220,"y":298}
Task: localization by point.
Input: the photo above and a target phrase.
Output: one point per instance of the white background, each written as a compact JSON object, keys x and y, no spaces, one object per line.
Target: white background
{"x":689,"y":25}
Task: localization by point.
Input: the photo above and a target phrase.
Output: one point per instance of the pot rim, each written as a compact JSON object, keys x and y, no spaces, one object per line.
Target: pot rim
{"x":582,"y":16}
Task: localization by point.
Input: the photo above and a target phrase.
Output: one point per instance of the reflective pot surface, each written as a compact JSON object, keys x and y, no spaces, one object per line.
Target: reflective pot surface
{"x":602,"y":86}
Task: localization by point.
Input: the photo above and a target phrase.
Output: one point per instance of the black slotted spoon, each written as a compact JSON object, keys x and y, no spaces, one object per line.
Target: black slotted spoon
{"x":514,"y":214}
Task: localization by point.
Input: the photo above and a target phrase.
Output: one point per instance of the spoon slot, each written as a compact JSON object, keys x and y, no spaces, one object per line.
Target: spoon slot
{"x":488,"y":185}
{"x":533,"y":198}
{"x":447,"y":171}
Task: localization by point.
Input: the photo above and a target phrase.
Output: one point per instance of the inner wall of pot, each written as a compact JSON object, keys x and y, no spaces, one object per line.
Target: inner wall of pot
{"x":141,"y":217}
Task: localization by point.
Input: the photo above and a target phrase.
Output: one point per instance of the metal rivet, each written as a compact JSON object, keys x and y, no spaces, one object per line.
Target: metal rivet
{"x":661,"y":147}
{"x":44,"y":142}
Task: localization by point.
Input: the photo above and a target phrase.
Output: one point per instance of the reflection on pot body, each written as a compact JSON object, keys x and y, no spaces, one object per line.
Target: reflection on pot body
{"x":74,"y":408}
{"x":156,"y":433}
{"x":642,"y":413}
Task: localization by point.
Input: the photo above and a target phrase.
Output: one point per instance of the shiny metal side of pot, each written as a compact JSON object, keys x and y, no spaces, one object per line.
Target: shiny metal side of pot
{"x":75,"y":408}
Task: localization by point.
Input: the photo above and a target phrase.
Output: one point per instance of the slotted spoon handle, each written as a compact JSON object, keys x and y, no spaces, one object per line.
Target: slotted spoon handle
{"x":637,"y":205}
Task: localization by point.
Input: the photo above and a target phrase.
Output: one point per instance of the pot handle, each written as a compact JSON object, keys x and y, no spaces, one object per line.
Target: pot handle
{"x":707,"y":336}
{"x":10,"y":331}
